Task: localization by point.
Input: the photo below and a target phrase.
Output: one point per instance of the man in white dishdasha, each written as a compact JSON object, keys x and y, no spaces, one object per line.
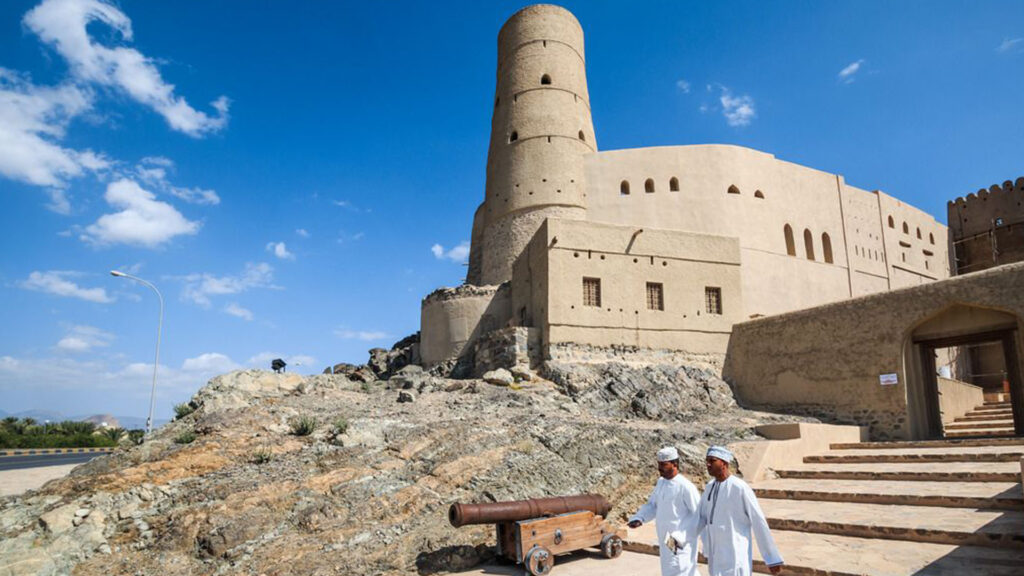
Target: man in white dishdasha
{"x":729,"y":512}
{"x":674,"y":507}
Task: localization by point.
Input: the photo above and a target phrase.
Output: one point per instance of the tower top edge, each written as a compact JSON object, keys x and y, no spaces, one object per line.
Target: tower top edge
{"x":536,"y":10}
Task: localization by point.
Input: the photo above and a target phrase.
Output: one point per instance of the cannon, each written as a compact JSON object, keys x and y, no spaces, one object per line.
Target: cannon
{"x":533,"y":532}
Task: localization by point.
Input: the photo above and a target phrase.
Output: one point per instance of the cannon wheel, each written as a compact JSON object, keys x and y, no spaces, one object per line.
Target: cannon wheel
{"x":611,"y":546}
{"x":539,"y":561}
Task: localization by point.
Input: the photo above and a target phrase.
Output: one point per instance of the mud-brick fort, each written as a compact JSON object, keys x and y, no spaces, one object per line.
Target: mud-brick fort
{"x":805,"y":290}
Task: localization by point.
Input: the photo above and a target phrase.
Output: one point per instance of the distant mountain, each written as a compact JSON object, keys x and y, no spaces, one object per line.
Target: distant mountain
{"x":126,"y":422}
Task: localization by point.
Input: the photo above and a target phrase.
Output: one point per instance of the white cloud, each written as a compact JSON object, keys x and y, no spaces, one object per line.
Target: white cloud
{"x":263,"y":360}
{"x":64,"y":25}
{"x":1008,"y":44}
{"x":457,"y":254}
{"x":143,"y":220}
{"x":239,"y":312}
{"x":738,"y":110}
{"x":848,"y":75}
{"x":302,"y":232}
{"x":33,"y":119}
{"x":200,"y":287}
{"x":56,"y":282}
{"x":84,"y":338}
{"x":683,"y":86}
{"x":366,"y":335}
{"x":210,"y":362}
{"x":280,"y":250}
{"x":153,"y":171}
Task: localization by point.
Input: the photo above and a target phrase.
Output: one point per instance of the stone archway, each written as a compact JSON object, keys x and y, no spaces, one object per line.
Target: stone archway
{"x":958,"y":325}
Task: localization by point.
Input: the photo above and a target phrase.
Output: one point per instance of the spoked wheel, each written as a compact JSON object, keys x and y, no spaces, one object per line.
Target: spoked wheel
{"x":611,"y":546}
{"x":539,"y":561}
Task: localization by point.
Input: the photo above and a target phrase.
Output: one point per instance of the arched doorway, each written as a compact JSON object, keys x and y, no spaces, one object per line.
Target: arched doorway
{"x":983,"y":347}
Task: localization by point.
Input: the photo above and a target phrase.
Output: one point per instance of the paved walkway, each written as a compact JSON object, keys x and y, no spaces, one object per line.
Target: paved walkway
{"x":15,"y":482}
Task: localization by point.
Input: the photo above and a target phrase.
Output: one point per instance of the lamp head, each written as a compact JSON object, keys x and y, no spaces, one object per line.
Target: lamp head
{"x":117,"y":273}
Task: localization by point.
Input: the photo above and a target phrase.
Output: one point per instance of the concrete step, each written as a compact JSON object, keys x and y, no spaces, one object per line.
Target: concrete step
{"x":909,"y":471}
{"x":981,"y":433}
{"x":959,"y":526}
{"x":831,"y":555}
{"x":976,"y":417}
{"x":989,"y":495}
{"x":839,"y":458}
{"x":992,"y":407}
{"x":1016,"y":441}
{"x":980,"y":424}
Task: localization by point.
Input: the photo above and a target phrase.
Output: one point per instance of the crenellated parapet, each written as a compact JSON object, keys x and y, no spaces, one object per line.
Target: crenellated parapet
{"x":986,"y":209}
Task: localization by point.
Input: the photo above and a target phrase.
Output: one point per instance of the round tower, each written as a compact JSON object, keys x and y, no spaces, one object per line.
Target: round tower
{"x":540,"y":132}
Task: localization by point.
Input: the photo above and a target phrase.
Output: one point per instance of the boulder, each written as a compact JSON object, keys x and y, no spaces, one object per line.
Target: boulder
{"x":522,"y":373}
{"x":499,"y":377}
{"x":406,"y":396}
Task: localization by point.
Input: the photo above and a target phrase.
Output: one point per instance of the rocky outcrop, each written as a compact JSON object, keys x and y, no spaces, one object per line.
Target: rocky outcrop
{"x":367,"y":491}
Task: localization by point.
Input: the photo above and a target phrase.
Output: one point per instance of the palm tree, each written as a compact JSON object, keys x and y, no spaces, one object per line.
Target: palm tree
{"x":114,"y":434}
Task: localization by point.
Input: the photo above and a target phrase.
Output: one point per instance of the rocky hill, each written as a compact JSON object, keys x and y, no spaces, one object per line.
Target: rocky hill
{"x":234,"y":488}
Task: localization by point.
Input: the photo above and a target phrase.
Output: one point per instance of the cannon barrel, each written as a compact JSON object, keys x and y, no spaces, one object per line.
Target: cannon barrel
{"x":494,"y":512}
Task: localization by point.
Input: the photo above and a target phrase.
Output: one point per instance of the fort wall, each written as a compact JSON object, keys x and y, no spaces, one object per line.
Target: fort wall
{"x":987,"y":228}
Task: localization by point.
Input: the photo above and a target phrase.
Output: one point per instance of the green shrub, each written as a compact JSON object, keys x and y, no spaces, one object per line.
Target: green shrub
{"x":340,"y":426}
{"x":182,"y":410}
{"x":136,"y":436}
{"x":185,"y":437}
{"x":303,"y":425}
{"x":261,"y":456}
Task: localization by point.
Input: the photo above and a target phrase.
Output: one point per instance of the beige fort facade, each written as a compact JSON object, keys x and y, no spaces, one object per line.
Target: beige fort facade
{"x":654,"y":248}
{"x":810,"y":295}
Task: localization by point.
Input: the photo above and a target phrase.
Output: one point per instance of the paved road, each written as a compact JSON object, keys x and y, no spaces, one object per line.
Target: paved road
{"x":22,"y":462}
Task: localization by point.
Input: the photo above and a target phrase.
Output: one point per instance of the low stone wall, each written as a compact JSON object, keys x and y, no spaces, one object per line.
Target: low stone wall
{"x":631,"y":355}
{"x":505,"y":348}
{"x":957,"y":398}
{"x":785,"y":446}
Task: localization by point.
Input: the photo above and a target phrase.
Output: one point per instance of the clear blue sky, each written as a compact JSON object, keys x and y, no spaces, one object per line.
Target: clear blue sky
{"x":283,"y":172}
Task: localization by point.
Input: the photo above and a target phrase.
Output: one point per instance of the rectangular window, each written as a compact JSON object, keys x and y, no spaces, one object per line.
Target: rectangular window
{"x":592,"y":292}
{"x":713,"y":300}
{"x":655,"y":296}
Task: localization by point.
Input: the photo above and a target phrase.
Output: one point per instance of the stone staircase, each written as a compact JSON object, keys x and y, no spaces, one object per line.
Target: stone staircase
{"x":947,"y":507}
{"x":987,"y":420}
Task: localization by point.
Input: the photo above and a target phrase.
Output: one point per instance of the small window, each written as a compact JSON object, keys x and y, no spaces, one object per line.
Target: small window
{"x":790,"y":243}
{"x":673,"y":184}
{"x":592,"y":292}
{"x":826,"y":247}
{"x":892,"y":223}
{"x":582,"y":136}
{"x":931,"y":238}
{"x":918,"y":233}
{"x":497,"y":101}
{"x":734,"y":190}
{"x":545,"y":79}
{"x":809,"y":244}
{"x":759,"y":194}
{"x":513,"y":137}
{"x":624,"y":188}
{"x":655,"y":296}
{"x":649,"y":186}
{"x":906,"y":229}
{"x":713,"y":300}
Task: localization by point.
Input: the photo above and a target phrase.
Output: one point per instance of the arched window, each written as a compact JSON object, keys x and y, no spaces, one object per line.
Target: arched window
{"x":759,"y":194}
{"x":931,"y":238}
{"x":673,"y":184}
{"x":624,"y":188}
{"x":733,"y":189}
{"x":545,"y":79}
{"x":809,"y":244}
{"x":649,"y":185}
{"x":582,"y":136}
{"x":790,"y":243}
{"x":513,"y":137}
{"x":918,"y":233}
{"x":906,"y":229}
{"x":826,"y":247}
{"x":892,"y":223}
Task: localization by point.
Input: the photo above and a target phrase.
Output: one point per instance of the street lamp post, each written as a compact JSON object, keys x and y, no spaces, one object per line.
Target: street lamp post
{"x":159,"y":329}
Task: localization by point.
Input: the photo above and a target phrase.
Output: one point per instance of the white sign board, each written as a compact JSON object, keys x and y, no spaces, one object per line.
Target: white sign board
{"x":888,"y":379}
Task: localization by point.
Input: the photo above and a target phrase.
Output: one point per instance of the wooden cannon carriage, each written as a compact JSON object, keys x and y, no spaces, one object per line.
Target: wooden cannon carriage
{"x":533,"y":532}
